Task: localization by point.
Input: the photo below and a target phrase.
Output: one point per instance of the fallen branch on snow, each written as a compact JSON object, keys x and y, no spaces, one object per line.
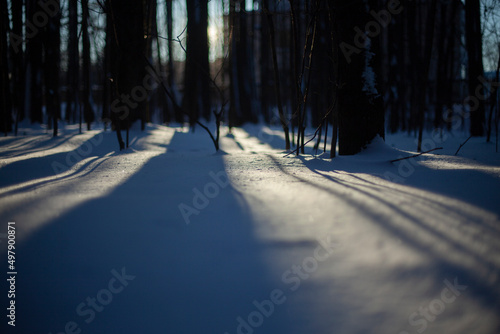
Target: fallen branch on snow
{"x":416,"y":155}
{"x":465,"y":142}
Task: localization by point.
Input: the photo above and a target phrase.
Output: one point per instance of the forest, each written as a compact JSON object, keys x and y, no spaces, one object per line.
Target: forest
{"x":352,"y":68}
{"x":249,"y":167}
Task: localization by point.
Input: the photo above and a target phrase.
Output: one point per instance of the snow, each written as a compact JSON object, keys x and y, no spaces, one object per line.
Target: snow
{"x":271,"y":244}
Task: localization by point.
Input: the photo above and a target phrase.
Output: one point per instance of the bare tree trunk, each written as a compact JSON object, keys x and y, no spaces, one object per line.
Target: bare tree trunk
{"x":72,"y":81}
{"x":52,"y":44}
{"x":86,"y":93}
{"x":179,"y":117}
{"x":196,"y":96}
{"x":129,"y":67}
{"x":284,"y":121}
{"x":233,"y":68}
{"x":107,"y":83}
{"x":294,"y":53}
{"x":451,"y":61}
{"x":441,"y":72}
{"x":414,"y":33}
{"x":475,"y":64}
{"x":334,"y":43}
{"x":424,"y":73}
{"x":244,"y":70}
{"x":493,"y":98}
{"x":161,"y":101}
{"x":303,"y":110}
{"x":264,"y":69}
{"x":34,"y":64}
{"x":240,"y":107}
{"x":18,"y":61}
{"x":5,"y":91}
{"x":149,"y":25}
{"x":361,"y":115}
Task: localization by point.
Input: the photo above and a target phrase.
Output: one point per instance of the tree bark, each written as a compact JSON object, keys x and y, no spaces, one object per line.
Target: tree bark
{"x":240,"y":107}
{"x":270,"y":24}
{"x":493,"y":98}
{"x":128,"y":68}
{"x":334,"y":43}
{"x":196,"y":98}
{"x":34,"y":73}
{"x":5,"y":91}
{"x":18,"y":61}
{"x":424,"y":71}
{"x":52,"y":56}
{"x":86,"y":93}
{"x":72,"y":79}
{"x":475,"y":65}
{"x":179,"y":117}
{"x":361,"y":115}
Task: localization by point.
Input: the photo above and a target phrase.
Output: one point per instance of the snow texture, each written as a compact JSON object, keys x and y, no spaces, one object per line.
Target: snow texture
{"x":168,"y":237}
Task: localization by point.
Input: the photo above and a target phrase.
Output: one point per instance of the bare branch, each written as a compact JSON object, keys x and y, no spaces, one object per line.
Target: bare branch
{"x":416,"y":155}
{"x":461,"y":145}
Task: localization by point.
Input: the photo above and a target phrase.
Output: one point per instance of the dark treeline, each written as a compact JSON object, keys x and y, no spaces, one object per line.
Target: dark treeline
{"x":350,"y":69}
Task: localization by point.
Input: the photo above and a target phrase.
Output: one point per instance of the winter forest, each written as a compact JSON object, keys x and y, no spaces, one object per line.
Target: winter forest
{"x":258,"y":166}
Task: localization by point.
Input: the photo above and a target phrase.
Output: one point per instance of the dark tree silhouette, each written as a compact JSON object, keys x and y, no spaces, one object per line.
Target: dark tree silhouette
{"x":88,"y":112}
{"x":72,"y":74}
{"x":361,"y":115}
{"x":196,"y":96}
{"x":423,"y":70}
{"x":6,"y":102}
{"x":310,"y":61}
{"x":475,"y":65}
{"x":52,"y":56}
{"x":240,"y":108}
{"x":128,"y":67}
{"x":179,"y":117}
{"x":17,"y":59}
{"x":277,"y":89}
{"x":34,"y":55}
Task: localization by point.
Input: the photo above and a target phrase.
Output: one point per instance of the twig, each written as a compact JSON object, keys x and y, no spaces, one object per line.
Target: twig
{"x":416,"y":155}
{"x":277,"y":89}
{"x":307,"y":142}
{"x":465,"y":142}
{"x":177,"y":107}
{"x":314,"y":135}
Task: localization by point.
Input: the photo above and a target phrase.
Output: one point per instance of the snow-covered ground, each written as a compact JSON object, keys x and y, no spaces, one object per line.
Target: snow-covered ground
{"x":170,"y":237}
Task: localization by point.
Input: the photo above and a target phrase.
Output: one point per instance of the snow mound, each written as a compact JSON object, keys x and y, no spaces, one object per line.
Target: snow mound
{"x":378,"y":150}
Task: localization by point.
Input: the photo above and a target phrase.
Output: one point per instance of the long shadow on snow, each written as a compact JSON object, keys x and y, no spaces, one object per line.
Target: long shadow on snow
{"x":34,"y":144}
{"x":266,"y":137}
{"x":195,"y":278}
{"x":54,"y":164}
{"x":427,"y":179}
{"x":479,"y":285}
